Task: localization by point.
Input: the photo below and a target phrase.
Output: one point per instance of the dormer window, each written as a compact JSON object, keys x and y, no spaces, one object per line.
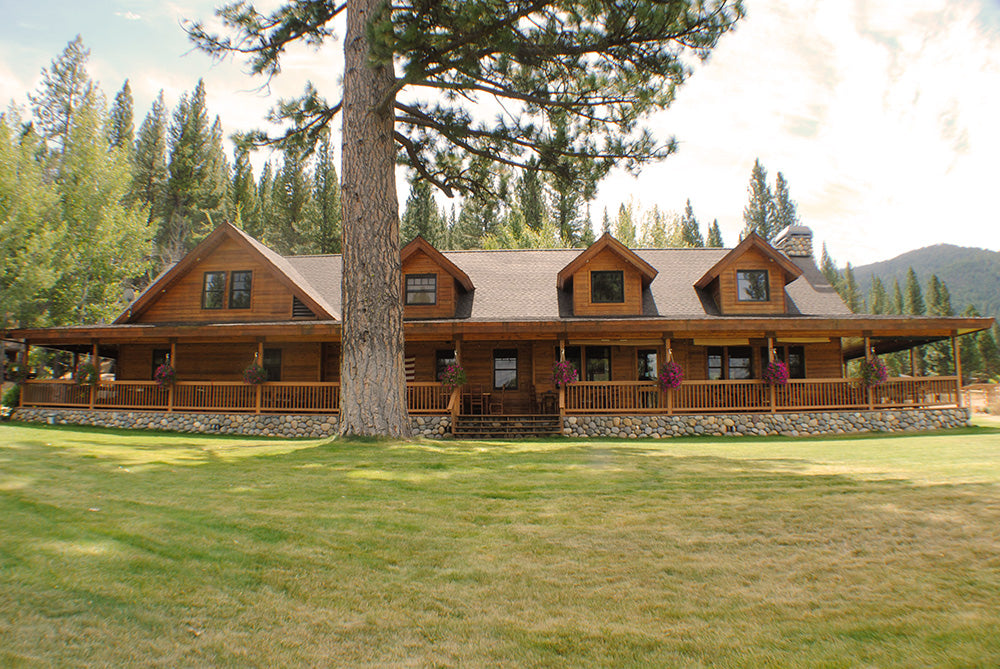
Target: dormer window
{"x":421,"y":289}
{"x":752,"y":285}
{"x":607,"y":287}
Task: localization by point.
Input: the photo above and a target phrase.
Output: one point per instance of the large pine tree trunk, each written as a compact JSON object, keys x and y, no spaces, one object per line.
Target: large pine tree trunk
{"x":372,"y":376}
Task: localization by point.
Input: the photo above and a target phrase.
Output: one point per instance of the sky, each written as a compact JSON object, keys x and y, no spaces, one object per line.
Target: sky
{"x":883,"y":116}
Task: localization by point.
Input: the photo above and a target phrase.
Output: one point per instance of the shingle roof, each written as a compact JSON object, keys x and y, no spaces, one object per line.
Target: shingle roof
{"x":519,"y":285}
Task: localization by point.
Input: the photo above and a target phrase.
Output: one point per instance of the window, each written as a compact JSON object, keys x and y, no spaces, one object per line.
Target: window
{"x":272,"y":363}
{"x":421,"y":289}
{"x":598,"y":363}
{"x":160,"y":357}
{"x":730,"y":362}
{"x":607,"y":286}
{"x":505,"y":368}
{"x":646,"y":364}
{"x":213,"y":290}
{"x":441,"y":360}
{"x":752,"y":285}
{"x":239,"y":289}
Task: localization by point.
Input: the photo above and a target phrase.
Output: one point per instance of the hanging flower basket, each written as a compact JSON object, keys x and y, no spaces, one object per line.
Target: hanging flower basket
{"x":453,"y":376}
{"x":775,"y":373}
{"x":671,"y":376}
{"x":86,"y":375}
{"x":564,"y":373}
{"x":872,"y":373}
{"x":254,"y":375}
{"x":17,"y":372}
{"x":165,"y":375}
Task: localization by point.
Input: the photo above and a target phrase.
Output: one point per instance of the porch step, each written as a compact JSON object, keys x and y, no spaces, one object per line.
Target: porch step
{"x":475,"y":426}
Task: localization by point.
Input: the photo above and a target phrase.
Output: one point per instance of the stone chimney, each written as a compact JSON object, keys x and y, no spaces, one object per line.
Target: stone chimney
{"x":794,"y":241}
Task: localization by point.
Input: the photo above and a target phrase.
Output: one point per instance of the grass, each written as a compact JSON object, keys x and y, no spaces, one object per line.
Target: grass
{"x":130,"y":548}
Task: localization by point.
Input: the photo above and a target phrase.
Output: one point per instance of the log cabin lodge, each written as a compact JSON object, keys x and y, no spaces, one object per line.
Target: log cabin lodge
{"x":506,"y":317}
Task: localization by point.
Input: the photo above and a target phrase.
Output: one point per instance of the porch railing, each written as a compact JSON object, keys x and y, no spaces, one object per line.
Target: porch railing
{"x":587,"y":397}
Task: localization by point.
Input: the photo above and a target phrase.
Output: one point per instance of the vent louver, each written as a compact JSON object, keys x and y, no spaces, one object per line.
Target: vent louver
{"x":300,"y":310}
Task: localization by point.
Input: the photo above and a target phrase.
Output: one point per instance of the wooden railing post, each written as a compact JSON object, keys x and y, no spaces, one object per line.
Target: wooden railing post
{"x":453,"y":406}
{"x":260,"y":388}
{"x":95,"y":362}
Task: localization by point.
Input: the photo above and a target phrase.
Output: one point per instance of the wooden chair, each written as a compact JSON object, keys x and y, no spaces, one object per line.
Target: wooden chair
{"x":474,"y":398}
{"x":496,"y":403}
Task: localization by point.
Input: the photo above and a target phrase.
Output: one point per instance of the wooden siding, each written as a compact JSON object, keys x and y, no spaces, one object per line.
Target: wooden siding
{"x":300,"y":361}
{"x":424,"y":354}
{"x":270,"y":300}
{"x":604,"y":262}
{"x":822,"y":360}
{"x":421,"y":263}
{"x":726,"y":293}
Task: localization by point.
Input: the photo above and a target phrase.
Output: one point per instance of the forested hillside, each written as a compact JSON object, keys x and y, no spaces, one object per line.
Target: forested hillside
{"x":972,"y":275}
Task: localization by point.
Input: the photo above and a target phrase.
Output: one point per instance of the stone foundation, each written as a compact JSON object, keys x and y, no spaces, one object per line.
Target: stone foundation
{"x":435,"y":427}
{"x":256,"y":425}
{"x":787,"y":424}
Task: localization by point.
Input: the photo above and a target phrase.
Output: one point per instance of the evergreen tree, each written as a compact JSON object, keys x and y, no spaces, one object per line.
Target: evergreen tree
{"x":829,"y":269}
{"x":194,"y":194}
{"x":785,"y":213}
{"x":758,"y":215}
{"x":849,"y":290}
{"x":244,"y":204}
{"x":914,"y":297}
{"x":107,"y":243}
{"x":605,"y":222}
{"x":938,"y":355}
{"x":149,"y":173}
{"x":30,"y":227}
{"x":421,"y":216}
{"x":625,"y":231}
{"x":878,"y":298}
{"x":897,"y":305}
{"x":290,"y":198}
{"x":323,"y":235}
{"x":531,"y":197}
{"x":265,"y":201}
{"x":65,"y":88}
{"x":714,"y":236}
{"x":973,"y":369}
{"x":566,"y":201}
{"x":587,"y":238}
{"x":690,"y":230}
{"x":121,"y":126}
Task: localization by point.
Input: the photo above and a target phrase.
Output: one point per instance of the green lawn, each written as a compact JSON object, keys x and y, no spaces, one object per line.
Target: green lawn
{"x":127,"y":548}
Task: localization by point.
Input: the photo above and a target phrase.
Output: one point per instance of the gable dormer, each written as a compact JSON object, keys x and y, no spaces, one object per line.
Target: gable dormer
{"x":606,"y":280}
{"x":229,"y":277}
{"x":750,"y":279}
{"x":431,"y":282}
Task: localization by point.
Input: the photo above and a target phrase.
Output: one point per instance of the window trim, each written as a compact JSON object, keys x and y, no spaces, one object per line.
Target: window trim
{"x":248,"y":291}
{"x":767,"y":285}
{"x":221,"y":291}
{"x":620,"y":275}
{"x":408,"y":292}
{"x":725,"y":370}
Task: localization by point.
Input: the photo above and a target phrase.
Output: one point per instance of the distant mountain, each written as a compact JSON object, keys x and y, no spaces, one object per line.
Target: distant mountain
{"x":972,"y":275}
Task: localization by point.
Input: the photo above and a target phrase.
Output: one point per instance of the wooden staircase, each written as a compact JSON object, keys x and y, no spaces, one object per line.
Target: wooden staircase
{"x":476,"y":426}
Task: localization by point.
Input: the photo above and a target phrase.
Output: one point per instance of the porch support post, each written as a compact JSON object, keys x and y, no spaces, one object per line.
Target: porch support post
{"x":170,"y":388}
{"x":913,"y":361}
{"x":958,"y":369}
{"x":562,"y":388}
{"x":868,"y":356}
{"x":770,"y":359}
{"x":668,"y":356}
{"x":456,"y":392}
{"x":24,"y":361}
{"x":260,"y":361}
{"x":95,"y":360}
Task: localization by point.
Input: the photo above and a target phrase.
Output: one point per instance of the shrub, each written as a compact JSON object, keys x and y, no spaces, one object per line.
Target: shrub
{"x":671,"y":376}
{"x":564,"y":373}
{"x":87,"y":375}
{"x":453,"y":376}
{"x":254,"y":374}
{"x":11,"y":396}
{"x":776,"y":373}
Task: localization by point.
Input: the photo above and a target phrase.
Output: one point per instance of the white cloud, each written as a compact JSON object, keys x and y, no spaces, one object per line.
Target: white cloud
{"x":128,"y":16}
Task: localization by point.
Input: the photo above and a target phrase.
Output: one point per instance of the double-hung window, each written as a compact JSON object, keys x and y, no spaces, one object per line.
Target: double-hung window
{"x":421,"y":289}
{"x":240,"y":284}
{"x":213,"y":290}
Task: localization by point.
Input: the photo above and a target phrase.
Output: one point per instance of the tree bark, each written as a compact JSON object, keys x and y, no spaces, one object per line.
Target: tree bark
{"x":372,"y":375}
